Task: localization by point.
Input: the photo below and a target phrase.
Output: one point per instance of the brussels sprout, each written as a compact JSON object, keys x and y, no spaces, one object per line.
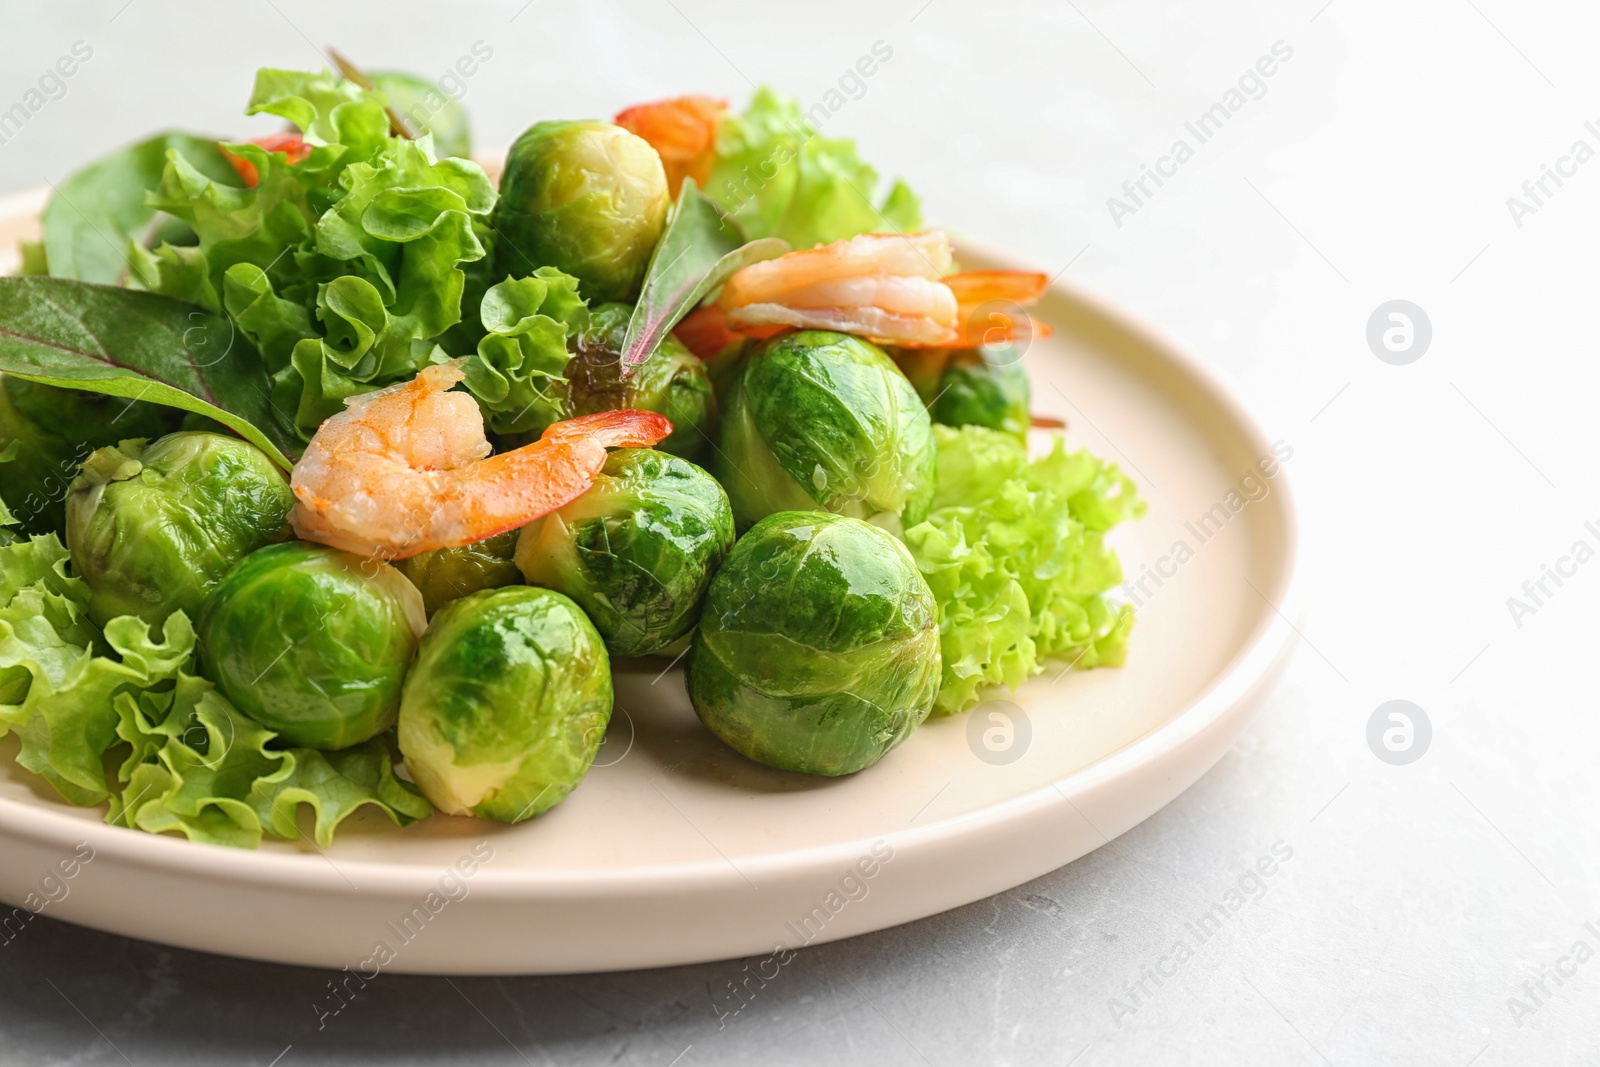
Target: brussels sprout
{"x":637,"y":550}
{"x":822,"y":419}
{"x":447,"y":574}
{"x":672,"y":381}
{"x":312,"y":642}
{"x":426,"y":109}
{"x":507,"y":704}
{"x":587,"y":197}
{"x":723,"y":367}
{"x":971,"y":387}
{"x":152,"y":528}
{"x":818,"y":649}
{"x":50,"y":431}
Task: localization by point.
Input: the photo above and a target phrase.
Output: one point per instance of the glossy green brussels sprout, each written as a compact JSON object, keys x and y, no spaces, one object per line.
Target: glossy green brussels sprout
{"x":723,"y":367}
{"x":637,"y":550}
{"x":312,"y":642}
{"x":426,"y":108}
{"x":587,"y":197}
{"x":672,"y":381}
{"x":971,"y":387}
{"x":447,"y":574}
{"x":49,"y":432}
{"x":818,"y":648}
{"x":823,"y":419}
{"x":152,"y":528}
{"x":507,"y":704}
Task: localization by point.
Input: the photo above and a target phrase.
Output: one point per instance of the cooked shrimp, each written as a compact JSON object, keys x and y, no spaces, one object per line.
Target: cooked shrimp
{"x":705,"y":332}
{"x":683,"y":131}
{"x":887,"y":287}
{"x":989,"y":306}
{"x":407,"y":469}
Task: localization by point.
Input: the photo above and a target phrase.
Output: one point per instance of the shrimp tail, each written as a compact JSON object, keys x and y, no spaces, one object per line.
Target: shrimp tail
{"x":683,"y":131}
{"x":991,"y":307}
{"x":514,"y":488}
{"x":613,"y":429}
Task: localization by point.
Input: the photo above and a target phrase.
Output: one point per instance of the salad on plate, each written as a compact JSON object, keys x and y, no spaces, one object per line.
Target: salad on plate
{"x":338,"y":473}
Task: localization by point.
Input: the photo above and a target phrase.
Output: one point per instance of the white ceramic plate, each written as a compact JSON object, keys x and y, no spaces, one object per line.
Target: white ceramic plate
{"x":677,"y":850}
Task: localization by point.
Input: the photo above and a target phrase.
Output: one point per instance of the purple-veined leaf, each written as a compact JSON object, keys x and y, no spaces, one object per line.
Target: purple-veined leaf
{"x":700,"y":250}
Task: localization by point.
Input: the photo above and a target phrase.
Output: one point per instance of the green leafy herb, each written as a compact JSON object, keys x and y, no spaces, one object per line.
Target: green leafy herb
{"x":62,"y":332}
{"x":519,"y":372}
{"x":699,"y":251}
{"x":95,"y":214}
{"x":1015,"y":554}
{"x":778,"y":177}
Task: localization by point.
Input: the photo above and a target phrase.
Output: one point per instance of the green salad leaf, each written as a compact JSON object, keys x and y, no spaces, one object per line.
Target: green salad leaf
{"x":519,"y":373}
{"x":61,"y":332}
{"x":778,"y":177}
{"x":67,"y":728}
{"x":1014,"y":551}
{"x":94,"y":215}
{"x":44,"y":627}
{"x":342,"y":268}
{"x":58,"y":691}
{"x":199,"y":768}
{"x":699,"y":251}
{"x":190,"y":763}
{"x":329,"y":109}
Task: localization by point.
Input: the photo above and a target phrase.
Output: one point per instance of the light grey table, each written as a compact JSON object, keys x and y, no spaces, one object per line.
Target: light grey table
{"x":1427,"y":910}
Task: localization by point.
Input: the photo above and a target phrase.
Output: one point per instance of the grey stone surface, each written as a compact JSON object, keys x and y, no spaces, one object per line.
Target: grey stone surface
{"x":1377,"y":164}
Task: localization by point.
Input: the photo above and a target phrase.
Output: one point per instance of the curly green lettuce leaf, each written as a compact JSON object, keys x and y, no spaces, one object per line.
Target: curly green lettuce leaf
{"x":519,"y":373}
{"x":343,"y":268}
{"x":778,"y":177}
{"x":328,"y":109}
{"x":199,"y":768}
{"x":394,"y":247}
{"x":44,"y":625}
{"x":335,"y":785}
{"x":66,"y":724}
{"x":1015,"y":553}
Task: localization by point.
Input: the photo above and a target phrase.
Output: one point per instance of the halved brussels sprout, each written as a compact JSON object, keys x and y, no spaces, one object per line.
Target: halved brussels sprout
{"x":152,"y":528}
{"x":971,"y":387}
{"x":818,"y":647}
{"x":673,"y":381}
{"x":427,"y":109}
{"x":587,"y":197}
{"x":507,"y":704}
{"x":823,"y":419}
{"x":49,"y":432}
{"x":447,"y":574}
{"x":312,"y":642}
{"x":637,"y":550}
